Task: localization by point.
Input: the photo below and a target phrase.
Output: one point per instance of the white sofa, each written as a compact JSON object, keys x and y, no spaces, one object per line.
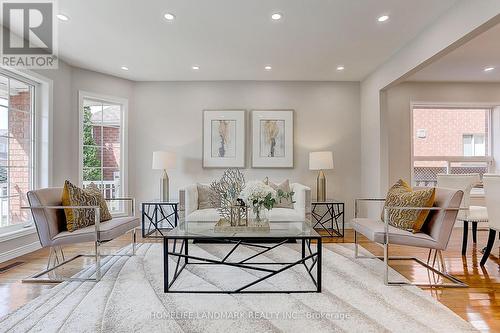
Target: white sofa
{"x":301,"y":208}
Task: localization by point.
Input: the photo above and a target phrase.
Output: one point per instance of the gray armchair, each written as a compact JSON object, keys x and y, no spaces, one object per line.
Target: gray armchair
{"x":435,"y":235}
{"x":48,"y":215}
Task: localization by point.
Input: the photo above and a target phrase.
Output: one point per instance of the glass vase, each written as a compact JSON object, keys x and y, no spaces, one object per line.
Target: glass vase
{"x":260,"y":215}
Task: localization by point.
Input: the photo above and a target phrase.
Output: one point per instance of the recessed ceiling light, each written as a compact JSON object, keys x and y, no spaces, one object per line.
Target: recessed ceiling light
{"x":169,"y":16}
{"x":489,"y":69}
{"x":340,"y":68}
{"x":62,"y":17}
{"x":276,"y":16}
{"x":383,"y":18}
{"x":268,"y":68}
{"x":195,"y":67}
{"x":125,"y":68}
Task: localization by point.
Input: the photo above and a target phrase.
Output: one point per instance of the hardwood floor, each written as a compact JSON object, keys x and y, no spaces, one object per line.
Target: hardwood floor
{"x":478,"y":304}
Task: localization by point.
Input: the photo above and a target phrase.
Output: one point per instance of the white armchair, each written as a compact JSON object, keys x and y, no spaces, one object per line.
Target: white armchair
{"x":301,"y":210}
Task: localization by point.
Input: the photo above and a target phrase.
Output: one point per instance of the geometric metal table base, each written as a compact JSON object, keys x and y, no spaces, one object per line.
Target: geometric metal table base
{"x":329,"y":219}
{"x":182,"y":258}
{"x":158,"y":216}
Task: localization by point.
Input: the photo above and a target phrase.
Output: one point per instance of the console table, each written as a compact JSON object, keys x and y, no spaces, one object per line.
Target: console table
{"x":159,"y":216}
{"x":328,"y":215}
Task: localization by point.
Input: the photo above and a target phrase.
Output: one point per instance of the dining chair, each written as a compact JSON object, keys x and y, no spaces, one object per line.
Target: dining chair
{"x":492,"y":195}
{"x":472,"y":214}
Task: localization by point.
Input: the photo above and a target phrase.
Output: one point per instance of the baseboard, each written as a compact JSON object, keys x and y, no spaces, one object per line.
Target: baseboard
{"x":22,"y":250}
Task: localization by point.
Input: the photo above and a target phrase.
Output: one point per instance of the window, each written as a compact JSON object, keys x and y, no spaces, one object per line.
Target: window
{"x":474,"y":145}
{"x":16,"y":148}
{"x":102,"y":147}
{"x":456,"y":140}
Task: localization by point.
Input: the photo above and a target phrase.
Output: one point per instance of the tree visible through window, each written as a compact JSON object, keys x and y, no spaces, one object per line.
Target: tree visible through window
{"x":101,"y":147}
{"x":91,"y":156}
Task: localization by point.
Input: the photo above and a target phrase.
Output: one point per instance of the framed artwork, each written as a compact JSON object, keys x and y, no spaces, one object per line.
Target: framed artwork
{"x":224,"y":138}
{"x":272,"y":138}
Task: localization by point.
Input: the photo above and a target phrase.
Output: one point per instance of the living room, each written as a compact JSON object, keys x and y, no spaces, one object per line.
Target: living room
{"x":181,"y":113}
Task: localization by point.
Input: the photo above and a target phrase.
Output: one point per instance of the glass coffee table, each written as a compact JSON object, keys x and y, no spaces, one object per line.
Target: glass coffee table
{"x":176,"y":248}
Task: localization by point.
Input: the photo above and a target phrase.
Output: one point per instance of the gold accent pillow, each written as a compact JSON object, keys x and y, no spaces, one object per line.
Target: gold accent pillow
{"x":75,"y":196}
{"x":402,"y":195}
{"x":285,"y":187}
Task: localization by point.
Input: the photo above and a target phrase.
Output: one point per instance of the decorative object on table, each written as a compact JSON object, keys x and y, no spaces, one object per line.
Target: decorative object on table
{"x":224,"y":138}
{"x":321,"y":160}
{"x":328,"y":215}
{"x":158,"y":217}
{"x":163,"y":160}
{"x":272,"y":138}
{"x":225,"y":194}
{"x":261,"y":198}
{"x":238,"y":214}
{"x":251,"y":226}
{"x":402,"y":195}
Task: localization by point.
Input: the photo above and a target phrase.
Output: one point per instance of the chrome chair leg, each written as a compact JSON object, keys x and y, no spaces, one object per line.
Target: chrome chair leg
{"x":436,"y":257}
{"x":356,"y":249}
{"x":134,"y":240}
{"x":62,"y":253}
{"x":54,"y":262}
{"x":50,"y":258}
{"x":97,"y":261}
{"x":386,"y":264}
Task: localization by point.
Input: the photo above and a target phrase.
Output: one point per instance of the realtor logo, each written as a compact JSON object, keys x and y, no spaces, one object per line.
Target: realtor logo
{"x":28,"y":34}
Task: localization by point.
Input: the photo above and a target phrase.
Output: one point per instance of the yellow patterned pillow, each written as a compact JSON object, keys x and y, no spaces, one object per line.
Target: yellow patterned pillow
{"x":81,"y":218}
{"x":402,"y":195}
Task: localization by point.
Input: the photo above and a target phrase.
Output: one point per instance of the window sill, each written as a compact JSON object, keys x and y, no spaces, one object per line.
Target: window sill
{"x":17,"y":233}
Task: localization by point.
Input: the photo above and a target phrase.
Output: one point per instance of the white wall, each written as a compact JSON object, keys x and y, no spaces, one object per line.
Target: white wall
{"x":168,"y":116}
{"x":399,"y":98}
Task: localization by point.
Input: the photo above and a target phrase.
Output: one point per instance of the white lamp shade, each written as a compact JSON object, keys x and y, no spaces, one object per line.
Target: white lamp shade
{"x":321,"y":160}
{"x":163,"y":160}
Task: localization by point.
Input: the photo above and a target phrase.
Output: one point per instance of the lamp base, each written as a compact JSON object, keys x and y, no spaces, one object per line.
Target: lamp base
{"x":321,"y":186}
{"x":164,"y":187}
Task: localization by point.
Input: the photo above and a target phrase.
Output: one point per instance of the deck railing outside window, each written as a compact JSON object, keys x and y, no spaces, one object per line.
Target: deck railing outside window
{"x":426,"y":168}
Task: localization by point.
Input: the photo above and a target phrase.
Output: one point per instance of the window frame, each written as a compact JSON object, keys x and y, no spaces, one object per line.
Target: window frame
{"x":488,"y":159}
{"x":41,"y":148}
{"x":123,"y":102}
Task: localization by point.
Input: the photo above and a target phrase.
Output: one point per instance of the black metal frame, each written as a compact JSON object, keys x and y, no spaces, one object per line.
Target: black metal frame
{"x":155,"y":213}
{"x":334,"y":212}
{"x":183,"y":253}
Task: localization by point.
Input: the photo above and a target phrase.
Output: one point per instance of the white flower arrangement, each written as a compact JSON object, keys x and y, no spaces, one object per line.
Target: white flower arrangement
{"x":256,"y":192}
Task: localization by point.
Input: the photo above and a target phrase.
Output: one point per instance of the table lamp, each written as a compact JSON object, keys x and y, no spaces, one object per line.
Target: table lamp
{"x":163,"y":160}
{"x":321,"y":160}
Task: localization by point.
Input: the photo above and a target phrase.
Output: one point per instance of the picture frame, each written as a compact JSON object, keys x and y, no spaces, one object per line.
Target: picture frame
{"x":224,"y":138}
{"x":272,"y":138}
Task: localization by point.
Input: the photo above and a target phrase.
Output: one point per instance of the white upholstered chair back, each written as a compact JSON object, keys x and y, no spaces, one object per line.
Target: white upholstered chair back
{"x":463,"y":183}
{"x":492,"y":193}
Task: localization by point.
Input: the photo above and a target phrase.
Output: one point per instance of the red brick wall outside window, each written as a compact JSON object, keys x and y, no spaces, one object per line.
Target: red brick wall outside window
{"x":18,"y":174}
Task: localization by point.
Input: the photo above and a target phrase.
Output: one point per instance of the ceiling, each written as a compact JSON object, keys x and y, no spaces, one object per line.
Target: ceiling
{"x":236,"y":39}
{"x":467,"y":63}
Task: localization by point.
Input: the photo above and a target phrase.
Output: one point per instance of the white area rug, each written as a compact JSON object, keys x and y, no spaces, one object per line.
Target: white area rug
{"x":130,"y":298}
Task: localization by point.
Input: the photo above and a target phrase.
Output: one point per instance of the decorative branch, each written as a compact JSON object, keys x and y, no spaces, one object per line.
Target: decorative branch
{"x":226,"y":191}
